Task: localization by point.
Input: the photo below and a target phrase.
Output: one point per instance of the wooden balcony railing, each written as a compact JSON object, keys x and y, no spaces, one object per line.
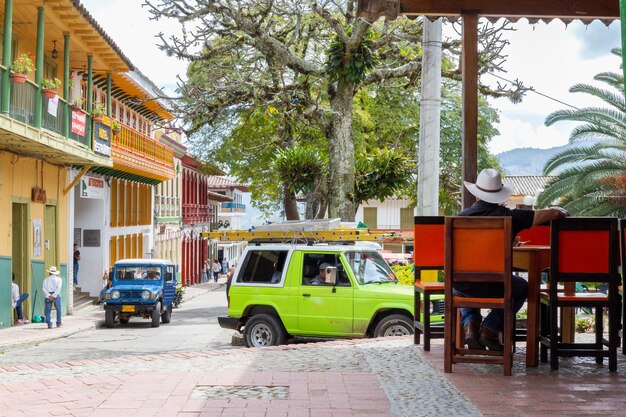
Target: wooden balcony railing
{"x":167,"y":206}
{"x":141,"y":146}
{"x":196,"y":213}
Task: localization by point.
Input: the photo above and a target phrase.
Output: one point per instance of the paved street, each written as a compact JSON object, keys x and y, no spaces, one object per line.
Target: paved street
{"x":193,"y":327}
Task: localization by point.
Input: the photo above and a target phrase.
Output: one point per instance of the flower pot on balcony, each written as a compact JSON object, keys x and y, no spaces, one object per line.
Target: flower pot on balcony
{"x":116,"y":131}
{"x":97,"y":118}
{"x":18,"y":78}
{"x":49,"y":94}
{"x":76,"y":107}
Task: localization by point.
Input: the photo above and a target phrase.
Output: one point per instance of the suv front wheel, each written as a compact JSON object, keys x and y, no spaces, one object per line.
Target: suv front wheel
{"x":264,"y":330}
{"x":394,"y":325}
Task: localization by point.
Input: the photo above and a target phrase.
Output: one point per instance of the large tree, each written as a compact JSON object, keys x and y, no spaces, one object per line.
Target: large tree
{"x":307,"y":59}
{"x":591,"y":177}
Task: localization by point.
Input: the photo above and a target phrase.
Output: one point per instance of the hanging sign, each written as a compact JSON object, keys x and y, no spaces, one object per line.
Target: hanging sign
{"x":78,"y":122}
{"x":102,"y":137}
{"x":92,"y":187}
{"x":53,"y":104}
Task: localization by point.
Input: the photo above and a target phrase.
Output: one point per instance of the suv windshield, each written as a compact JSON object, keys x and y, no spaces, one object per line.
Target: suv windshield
{"x":370,"y":267}
{"x":138,"y":273}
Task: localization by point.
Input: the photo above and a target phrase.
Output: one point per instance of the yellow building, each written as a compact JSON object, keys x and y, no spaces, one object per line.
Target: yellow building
{"x":50,"y":143}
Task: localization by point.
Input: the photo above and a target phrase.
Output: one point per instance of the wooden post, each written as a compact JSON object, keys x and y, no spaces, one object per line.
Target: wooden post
{"x":470,"y":103}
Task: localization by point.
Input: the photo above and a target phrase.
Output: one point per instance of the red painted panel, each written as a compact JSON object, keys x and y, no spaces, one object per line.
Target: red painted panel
{"x":584,"y":251}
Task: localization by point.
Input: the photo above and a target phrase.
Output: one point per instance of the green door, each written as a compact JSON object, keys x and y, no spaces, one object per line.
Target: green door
{"x":324,"y":310}
{"x":21,"y":254}
{"x":50,"y":240}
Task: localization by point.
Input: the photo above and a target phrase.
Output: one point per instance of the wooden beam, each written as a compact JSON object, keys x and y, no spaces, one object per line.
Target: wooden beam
{"x":573,"y":9}
{"x":469,"y":68}
{"x":78,"y":177}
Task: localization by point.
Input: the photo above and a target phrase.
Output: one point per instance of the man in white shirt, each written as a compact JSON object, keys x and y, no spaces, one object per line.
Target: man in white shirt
{"x":52,"y":293}
{"x":17,"y":300}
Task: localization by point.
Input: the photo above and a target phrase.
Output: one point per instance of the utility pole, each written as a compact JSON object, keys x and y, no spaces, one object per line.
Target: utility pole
{"x":430,"y":121}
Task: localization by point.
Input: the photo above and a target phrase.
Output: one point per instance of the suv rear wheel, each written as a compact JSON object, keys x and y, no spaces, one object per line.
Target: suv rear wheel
{"x":394,"y":325}
{"x":264,"y":330}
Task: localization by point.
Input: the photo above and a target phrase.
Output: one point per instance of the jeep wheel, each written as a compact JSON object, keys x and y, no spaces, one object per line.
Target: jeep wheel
{"x":109,"y":318}
{"x":124,"y":320}
{"x":394,"y":325}
{"x":156,"y":315}
{"x":264,"y":330}
{"x":166,"y":317}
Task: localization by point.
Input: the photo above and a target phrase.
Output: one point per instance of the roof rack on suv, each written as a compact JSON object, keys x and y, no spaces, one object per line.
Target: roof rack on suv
{"x":308,"y":231}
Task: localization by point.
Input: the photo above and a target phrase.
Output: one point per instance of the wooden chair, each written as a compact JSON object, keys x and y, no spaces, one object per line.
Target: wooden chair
{"x":583,"y":250}
{"x":478,"y":250}
{"x":538,"y":235}
{"x":427,"y":256}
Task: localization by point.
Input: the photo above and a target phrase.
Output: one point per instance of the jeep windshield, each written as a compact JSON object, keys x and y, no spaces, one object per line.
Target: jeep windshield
{"x":138,"y":273}
{"x":369,"y":267}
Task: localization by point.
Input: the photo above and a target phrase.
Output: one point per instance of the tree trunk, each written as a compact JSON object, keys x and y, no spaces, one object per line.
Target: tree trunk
{"x":290,"y":204}
{"x":341,"y":154}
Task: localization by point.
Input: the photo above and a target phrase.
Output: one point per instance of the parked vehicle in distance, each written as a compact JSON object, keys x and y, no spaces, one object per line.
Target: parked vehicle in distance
{"x":141,"y":288}
{"x":336,"y":291}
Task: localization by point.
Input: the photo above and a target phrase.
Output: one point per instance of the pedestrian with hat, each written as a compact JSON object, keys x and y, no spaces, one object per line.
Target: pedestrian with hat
{"x":491,"y":192}
{"x":52,"y":293}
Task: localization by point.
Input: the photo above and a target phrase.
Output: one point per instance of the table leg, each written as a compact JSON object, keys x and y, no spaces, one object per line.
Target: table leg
{"x":532,"y":321}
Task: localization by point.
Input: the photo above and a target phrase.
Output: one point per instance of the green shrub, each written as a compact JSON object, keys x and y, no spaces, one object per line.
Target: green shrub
{"x":404,"y":273}
{"x":585,"y":325}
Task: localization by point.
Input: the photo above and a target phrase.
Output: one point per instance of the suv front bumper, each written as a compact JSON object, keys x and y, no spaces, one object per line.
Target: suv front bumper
{"x":138,"y":308}
{"x":228,"y":322}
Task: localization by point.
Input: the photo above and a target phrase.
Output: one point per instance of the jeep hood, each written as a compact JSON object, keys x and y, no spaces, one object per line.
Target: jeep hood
{"x":137,"y":287}
{"x":387,"y":290}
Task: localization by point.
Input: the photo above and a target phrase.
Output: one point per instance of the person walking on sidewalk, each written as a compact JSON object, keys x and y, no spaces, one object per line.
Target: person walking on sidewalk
{"x":52,"y":291}
{"x":18,"y":300}
{"x":217,"y":268}
{"x":75,"y":269}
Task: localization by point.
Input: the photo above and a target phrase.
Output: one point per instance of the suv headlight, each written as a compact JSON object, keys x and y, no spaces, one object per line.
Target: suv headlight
{"x":115,"y":295}
{"x":432,"y":307}
{"x":145,"y":294}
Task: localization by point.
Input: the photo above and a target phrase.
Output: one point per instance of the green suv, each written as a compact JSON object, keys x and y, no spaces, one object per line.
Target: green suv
{"x":344,"y":291}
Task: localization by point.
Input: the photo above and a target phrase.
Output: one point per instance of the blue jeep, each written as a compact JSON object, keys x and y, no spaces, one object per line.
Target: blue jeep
{"x":141,"y":288}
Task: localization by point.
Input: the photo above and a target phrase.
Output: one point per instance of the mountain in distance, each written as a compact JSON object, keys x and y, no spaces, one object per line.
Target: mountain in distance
{"x":528,"y":161}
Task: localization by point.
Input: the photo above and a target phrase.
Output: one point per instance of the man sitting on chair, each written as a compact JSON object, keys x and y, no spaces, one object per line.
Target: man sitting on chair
{"x":491,"y":192}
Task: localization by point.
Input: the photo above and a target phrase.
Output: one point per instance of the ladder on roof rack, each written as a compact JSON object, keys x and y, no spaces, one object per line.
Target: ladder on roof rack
{"x":336,"y":235}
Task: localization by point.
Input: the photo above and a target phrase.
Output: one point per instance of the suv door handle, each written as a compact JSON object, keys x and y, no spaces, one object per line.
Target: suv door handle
{"x":306,"y":295}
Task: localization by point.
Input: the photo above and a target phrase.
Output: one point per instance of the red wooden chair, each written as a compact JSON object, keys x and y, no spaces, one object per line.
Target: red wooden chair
{"x":477,"y":250}
{"x":538,"y":235}
{"x":622,"y":253}
{"x":427,"y":256}
{"x":583,"y":250}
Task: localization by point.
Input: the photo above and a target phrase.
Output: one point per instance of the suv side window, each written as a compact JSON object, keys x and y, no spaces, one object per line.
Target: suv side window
{"x":312,"y":263}
{"x":263,"y":266}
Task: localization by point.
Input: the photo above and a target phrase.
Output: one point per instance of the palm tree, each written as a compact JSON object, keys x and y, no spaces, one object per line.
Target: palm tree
{"x":593,"y":176}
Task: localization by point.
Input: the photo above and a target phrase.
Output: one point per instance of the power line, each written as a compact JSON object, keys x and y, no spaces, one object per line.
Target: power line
{"x":537,"y":92}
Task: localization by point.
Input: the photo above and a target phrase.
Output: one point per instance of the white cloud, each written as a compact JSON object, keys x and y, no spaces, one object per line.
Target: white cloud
{"x":515,"y":133}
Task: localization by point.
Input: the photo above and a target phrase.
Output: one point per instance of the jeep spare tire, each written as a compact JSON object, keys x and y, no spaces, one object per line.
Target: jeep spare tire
{"x":264,"y":330}
{"x":156,"y":315}
{"x":394,"y":325}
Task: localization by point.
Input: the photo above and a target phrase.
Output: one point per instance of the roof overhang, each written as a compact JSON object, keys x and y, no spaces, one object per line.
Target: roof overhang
{"x":585,"y":10}
{"x":218,"y":197}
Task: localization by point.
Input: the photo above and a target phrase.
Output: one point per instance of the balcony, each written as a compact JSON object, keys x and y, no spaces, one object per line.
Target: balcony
{"x":166,"y":206}
{"x":19,"y":134}
{"x":136,"y":153}
{"x":196,"y":213}
{"x":232,"y":209}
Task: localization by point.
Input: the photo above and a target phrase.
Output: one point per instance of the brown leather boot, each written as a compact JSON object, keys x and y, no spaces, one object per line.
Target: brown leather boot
{"x":490,"y":340}
{"x":471,"y":336}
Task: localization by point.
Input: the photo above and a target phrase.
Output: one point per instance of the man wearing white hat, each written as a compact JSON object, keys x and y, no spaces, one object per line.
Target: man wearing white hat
{"x":52,"y":293}
{"x":491,"y":192}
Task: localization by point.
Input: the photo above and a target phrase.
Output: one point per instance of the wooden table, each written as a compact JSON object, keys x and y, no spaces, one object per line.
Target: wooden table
{"x":532,"y":259}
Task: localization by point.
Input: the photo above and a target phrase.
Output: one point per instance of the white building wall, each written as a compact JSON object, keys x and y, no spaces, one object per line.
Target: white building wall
{"x":388,"y":212}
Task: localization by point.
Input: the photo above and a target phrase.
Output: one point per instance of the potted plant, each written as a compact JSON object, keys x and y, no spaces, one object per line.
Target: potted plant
{"x":23,"y":64}
{"x":116,"y":128}
{"x":77,"y":104}
{"x":50,"y":86}
{"x":97,"y":112}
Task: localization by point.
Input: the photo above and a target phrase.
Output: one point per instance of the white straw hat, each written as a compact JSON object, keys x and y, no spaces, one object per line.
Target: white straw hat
{"x":489,"y":187}
{"x":53,"y":270}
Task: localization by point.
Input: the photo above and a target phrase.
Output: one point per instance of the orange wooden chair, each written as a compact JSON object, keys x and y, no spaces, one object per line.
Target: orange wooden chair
{"x":584,"y":249}
{"x":427,"y":256}
{"x":478,"y":250}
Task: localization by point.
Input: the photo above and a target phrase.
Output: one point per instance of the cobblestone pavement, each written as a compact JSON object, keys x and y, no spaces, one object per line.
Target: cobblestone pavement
{"x":340,"y":378}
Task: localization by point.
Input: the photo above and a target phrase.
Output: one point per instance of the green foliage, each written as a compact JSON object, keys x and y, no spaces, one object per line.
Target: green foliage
{"x":24,"y":63}
{"x":404,"y":273}
{"x":382,"y":173}
{"x":592,"y":177}
{"x":50,"y":83}
{"x":351,"y":66}
{"x":299,"y":168}
{"x":584,"y":325}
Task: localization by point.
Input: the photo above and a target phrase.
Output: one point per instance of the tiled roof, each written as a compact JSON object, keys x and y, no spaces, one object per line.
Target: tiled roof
{"x":524,"y":185}
{"x":218,"y":197}
{"x":219,"y":182}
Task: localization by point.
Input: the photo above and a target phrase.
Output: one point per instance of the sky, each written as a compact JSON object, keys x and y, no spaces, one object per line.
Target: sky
{"x":549,"y":57}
